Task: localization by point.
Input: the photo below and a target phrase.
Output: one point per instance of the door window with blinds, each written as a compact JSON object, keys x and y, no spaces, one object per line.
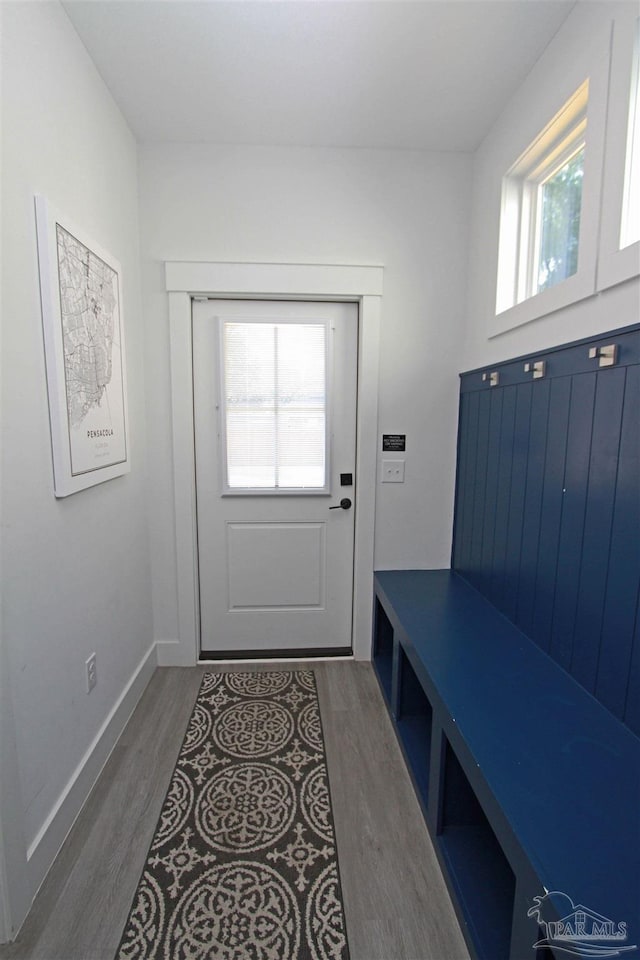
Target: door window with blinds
{"x":274,"y":406}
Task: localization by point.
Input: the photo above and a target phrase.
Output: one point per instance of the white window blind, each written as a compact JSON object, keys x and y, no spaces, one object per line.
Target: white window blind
{"x":275,"y":405}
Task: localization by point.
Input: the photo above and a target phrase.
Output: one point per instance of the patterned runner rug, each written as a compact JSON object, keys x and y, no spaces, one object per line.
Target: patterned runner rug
{"x":243,"y":862}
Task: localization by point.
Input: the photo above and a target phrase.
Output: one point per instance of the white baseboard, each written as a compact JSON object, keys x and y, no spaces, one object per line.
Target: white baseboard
{"x":175,"y":653}
{"x":44,"y":848}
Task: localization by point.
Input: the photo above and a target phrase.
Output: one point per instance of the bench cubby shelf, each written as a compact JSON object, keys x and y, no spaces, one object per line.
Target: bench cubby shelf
{"x":479,"y":870}
{"x":527,"y":783}
{"x":414,"y":718}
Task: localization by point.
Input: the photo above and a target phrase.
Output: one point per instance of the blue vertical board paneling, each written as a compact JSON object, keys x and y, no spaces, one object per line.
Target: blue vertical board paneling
{"x":616,"y":644}
{"x":480,"y":486}
{"x":461,"y":480}
{"x":576,"y":477}
{"x":467,"y":483}
{"x":533,"y":505}
{"x":551,"y":511}
{"x":594,"y":560}
{"x":516,"y":499}
{"x":491,"y":491}
{"x":547,"y":522}
{"x":503,"y":494}
{"x":632,"y":707}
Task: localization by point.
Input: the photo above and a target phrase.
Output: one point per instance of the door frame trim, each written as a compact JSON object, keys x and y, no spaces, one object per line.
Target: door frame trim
{"x":264,"y":281}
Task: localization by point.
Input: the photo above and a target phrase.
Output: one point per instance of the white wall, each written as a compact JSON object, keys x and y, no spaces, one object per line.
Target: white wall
{"x":576,"y":52}
{"x":405,"y":211}
{"x":76,"y":572}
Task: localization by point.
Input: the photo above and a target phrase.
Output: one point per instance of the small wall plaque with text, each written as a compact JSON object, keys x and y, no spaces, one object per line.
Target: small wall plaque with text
{"x":395,"y":442}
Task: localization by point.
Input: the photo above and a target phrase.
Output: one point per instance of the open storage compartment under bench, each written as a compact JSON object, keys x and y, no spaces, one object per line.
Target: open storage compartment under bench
{"x":527,"y":783}
{"x":414,"y":718}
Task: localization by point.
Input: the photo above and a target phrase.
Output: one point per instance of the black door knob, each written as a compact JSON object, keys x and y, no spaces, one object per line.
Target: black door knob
{"x":344,"y":504}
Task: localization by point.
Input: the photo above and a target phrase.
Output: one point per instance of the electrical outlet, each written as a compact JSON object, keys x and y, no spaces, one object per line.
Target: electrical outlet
{"x":92,"y":672}
{"x":393,"y":471}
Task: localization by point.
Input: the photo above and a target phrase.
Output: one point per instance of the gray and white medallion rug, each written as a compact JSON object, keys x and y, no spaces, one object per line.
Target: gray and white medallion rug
{"x":243,"y":862}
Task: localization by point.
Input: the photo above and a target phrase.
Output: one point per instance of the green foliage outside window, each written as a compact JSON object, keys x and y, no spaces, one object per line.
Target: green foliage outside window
{"x":560,"y":204}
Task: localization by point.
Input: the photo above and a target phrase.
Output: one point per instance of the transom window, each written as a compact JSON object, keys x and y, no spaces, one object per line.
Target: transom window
{"x":630,"y":225}
{"x":541,"y":208}
{"x":275,"y":406}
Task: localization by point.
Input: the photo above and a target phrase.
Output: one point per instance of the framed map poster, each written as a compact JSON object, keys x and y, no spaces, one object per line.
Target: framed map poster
{"x":84,"y":351}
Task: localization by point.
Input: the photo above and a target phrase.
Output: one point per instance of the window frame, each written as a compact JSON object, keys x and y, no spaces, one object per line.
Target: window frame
{"x":555,"y":92}
{"x":615,"y":263}
{"x":520,"y":221}
{"x":563,"y":138}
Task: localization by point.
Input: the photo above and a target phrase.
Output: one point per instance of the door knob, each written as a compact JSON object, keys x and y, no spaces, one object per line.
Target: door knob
{"x":344,"y":504}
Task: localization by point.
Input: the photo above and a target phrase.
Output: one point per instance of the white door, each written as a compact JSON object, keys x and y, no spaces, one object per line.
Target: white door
{"x":275,"y":386}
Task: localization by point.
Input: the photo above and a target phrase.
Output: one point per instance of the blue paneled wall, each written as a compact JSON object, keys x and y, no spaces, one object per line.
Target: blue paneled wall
{"x":547,"y":518}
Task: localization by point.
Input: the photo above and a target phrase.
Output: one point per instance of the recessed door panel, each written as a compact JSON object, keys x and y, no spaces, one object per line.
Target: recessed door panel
{"x":296,"y":581}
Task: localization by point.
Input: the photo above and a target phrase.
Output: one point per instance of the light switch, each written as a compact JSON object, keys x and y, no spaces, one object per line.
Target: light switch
{"x":393,"y":471}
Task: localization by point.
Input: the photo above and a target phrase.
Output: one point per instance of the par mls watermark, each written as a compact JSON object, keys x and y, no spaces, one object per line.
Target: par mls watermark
{"x":580,"y":932}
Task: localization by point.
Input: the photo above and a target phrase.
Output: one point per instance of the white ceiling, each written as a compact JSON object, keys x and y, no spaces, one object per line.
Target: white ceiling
{"x":428,"y":74}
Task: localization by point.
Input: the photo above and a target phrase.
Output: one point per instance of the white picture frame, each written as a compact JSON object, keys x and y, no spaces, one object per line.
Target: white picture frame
{"x":81,"y":297}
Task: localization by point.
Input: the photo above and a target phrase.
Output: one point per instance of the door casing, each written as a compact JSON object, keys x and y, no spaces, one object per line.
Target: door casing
{"x":184,"y":281}
{"x":276,"y":564}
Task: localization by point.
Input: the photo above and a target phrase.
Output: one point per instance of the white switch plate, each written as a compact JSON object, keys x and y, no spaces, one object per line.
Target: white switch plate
{"x":393,"y":471}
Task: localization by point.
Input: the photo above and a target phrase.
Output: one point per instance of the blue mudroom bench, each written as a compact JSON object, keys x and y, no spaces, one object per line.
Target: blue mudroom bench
{"x":528,"y":784}
{"x":513,"y":679}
